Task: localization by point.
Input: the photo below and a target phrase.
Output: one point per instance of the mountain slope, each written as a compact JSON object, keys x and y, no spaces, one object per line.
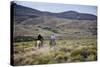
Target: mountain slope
{"x":20,"y":10}
{"x":30,"y":22}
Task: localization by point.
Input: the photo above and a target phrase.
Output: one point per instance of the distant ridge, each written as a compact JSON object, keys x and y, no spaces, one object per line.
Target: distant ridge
{"x":22,"y":10}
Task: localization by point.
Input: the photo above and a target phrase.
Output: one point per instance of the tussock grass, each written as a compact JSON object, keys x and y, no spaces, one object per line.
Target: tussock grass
{"x":25,"y":53}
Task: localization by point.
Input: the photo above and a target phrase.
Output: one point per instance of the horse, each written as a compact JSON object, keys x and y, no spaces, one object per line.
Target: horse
{"x":52,"y":43}
{"x":38,"y":43}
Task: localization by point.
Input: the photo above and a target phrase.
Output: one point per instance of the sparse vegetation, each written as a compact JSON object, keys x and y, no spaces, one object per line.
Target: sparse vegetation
{"x":23,"y":38}
{"x":65,"y":51}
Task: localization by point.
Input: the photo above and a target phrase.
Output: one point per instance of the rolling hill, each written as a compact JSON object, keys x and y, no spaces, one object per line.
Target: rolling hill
{"x":30,"y":22}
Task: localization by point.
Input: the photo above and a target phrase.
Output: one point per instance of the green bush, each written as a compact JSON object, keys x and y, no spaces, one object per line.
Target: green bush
{"x":75,"y":52}
{"x":92,"y":52}
{"x":61,"y":56}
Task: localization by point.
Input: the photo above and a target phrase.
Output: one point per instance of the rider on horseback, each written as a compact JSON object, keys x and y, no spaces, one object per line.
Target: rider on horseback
{"x":40,"y":38}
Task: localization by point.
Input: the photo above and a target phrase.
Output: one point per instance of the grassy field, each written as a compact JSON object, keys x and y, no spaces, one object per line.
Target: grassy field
{"x":65,"y":51}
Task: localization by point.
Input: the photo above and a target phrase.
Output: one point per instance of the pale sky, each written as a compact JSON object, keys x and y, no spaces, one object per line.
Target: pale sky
{"x":56,"y":8}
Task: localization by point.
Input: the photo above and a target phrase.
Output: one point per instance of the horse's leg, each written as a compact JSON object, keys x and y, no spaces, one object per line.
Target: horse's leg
{"x":51,"y":44}
{"x":41,"y":43}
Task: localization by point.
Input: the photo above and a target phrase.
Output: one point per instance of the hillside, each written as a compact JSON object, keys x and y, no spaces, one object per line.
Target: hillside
{"x":30,"y":22}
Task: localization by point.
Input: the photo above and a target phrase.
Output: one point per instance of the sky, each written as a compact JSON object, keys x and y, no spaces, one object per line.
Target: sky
{"x":56,"y":8}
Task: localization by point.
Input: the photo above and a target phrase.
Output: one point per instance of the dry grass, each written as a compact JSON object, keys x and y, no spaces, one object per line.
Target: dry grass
{"x":25,"y":53}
